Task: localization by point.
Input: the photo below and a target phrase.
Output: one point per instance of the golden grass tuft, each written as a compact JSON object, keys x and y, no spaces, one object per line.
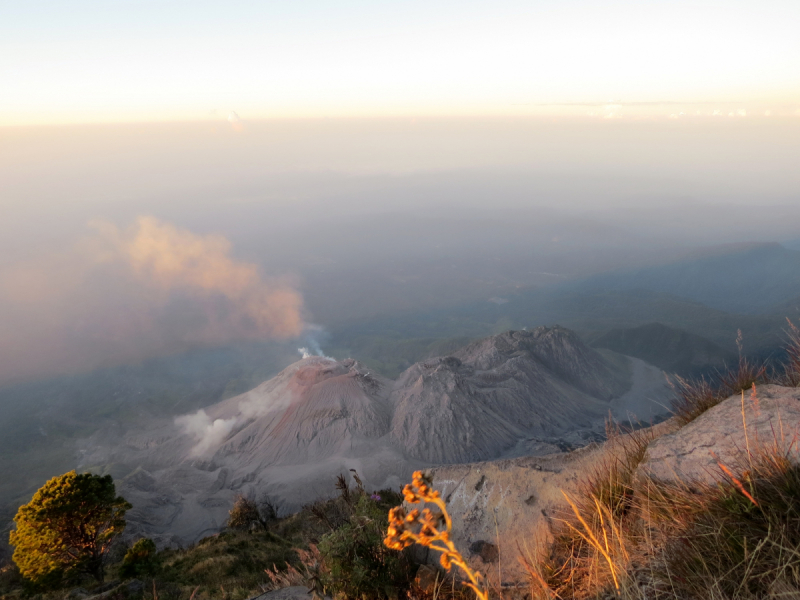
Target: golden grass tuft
{"x":790,"y":376}
{"x":693,"y":398}
{"x":594,"y":541}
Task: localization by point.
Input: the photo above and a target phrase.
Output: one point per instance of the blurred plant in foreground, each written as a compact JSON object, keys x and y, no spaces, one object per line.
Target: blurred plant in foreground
{"x":424,"y":528}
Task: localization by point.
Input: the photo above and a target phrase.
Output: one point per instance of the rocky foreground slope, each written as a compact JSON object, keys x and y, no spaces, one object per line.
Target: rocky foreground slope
{"x":517,"y":393}
{"x":506,"y":509}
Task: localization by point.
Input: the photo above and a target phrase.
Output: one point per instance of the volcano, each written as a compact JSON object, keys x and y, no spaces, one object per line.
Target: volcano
{"x":516,"y":393}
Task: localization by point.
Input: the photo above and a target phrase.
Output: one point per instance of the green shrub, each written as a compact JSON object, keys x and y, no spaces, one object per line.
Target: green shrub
{"x":355,"y":561}
{"x":68,"y":528}
{"x":140,"y":560}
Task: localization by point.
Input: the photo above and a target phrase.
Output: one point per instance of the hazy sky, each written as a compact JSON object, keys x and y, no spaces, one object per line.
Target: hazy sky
{"x":186,"y":172}
{"x":134,"y":60}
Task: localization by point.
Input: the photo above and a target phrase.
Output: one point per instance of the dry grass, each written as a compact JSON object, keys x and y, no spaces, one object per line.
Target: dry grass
{"x":307,"y":575}
{"x":693,"y":398}
{"x":229,"y":565}
{"x":790,"y":376}
{"x":593,"y":539}
{"x":736,"y":537}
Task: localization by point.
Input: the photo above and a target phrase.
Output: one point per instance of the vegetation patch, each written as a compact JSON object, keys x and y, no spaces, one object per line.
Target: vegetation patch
{"x":739,"y":538}
{"x":592,"y":540}
{"x":231,"y":564}
{"x":694,"y":397}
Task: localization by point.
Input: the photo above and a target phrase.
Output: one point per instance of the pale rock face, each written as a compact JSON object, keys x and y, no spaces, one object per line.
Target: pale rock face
{"x":510,"y":504}
{"x":689,"y":453}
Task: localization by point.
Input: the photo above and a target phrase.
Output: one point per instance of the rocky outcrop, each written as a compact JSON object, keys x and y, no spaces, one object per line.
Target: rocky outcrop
{"x":693,"y":452}
{"x":503,"y":508}
{"x":512,"y":504}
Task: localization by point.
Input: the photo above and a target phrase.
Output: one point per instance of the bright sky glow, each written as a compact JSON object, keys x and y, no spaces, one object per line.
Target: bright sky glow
{"x":134,"y":60}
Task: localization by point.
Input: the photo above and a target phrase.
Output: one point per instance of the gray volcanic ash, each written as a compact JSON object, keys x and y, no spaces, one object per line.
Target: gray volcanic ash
{"x":476,"y":404}
{"x":311,"y":410}
{"x":515,"y":393}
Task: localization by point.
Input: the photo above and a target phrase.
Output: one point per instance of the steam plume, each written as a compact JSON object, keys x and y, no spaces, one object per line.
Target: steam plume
{"x":313,"y":335}
{"x":206,"y":432}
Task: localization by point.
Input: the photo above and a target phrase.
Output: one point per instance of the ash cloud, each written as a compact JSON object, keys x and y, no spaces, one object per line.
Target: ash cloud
{"x":127,"y":294}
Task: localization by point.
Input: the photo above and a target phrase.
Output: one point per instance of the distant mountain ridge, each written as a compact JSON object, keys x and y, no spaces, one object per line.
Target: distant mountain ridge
{"x":746,"y":278}
{"x":712,"y":292}
{"x":669,"y":348}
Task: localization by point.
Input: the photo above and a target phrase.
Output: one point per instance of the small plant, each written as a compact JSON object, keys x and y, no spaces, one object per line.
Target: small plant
{"x":425,"y":528}
{"x":247,"y":513}
{"x":693,"y":398}
{"x":140,"y":560}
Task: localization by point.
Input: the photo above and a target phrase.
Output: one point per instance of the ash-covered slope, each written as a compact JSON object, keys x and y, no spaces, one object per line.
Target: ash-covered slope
{"x":479,"y":402}
{"x":311,"y":410}
{"x":290,"y":436}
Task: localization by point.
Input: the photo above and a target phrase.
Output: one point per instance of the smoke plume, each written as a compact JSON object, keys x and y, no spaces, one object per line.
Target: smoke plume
{"x":313,"y":335}
{"x":127,"y":294}
{"x":207,"y":433}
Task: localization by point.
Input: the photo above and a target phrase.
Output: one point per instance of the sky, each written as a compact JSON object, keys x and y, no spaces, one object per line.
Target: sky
{"x":145,"y":60}
{"x":181,"y":173}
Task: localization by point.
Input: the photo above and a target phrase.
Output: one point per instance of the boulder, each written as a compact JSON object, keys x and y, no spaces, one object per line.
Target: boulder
{"x":693,"y":452}
{"x":501,"y":509}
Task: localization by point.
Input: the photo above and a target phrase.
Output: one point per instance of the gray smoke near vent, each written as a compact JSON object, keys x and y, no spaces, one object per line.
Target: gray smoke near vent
{"x":208,"y":433}
{"x":313,"y":335}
